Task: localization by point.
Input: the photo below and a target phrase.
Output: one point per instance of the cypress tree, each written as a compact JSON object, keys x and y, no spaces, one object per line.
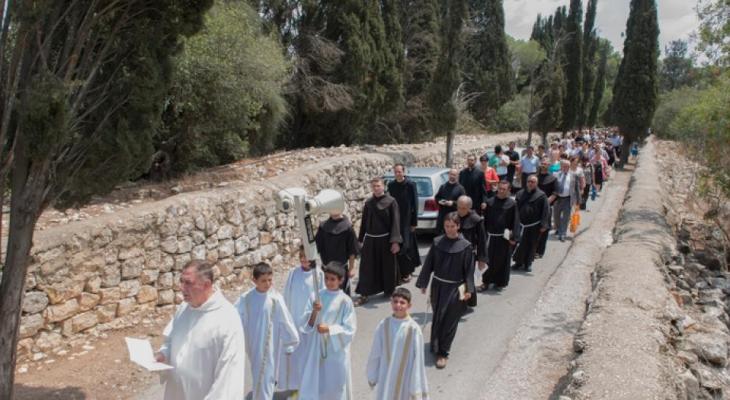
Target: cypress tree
{"x":447,"y":77}
{"x":422,"y":39}
{"x":573,"y":67}
{"x":487,"y":65}
{"x":393,"y":54}
{"x":590,"y":44}
{"x":599,"y":86}
{"x":549,"y":93}
{"x":635,"y":93}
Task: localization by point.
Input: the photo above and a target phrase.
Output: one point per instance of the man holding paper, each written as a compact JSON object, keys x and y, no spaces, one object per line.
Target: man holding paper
{"x":205,"y":344}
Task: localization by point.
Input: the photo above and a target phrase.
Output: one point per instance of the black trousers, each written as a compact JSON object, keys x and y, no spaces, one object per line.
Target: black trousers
{"x":542,"y":242}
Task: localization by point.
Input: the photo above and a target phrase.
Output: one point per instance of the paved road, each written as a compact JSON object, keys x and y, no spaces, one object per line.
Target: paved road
{"x":483,"y":336}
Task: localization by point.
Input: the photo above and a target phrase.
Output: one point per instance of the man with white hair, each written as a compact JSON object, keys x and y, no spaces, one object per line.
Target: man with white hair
{"x":565,"y":197}
{"x":204,"y":342}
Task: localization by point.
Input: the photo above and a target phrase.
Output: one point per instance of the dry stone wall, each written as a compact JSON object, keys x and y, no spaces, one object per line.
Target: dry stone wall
{"x":93,"y":275}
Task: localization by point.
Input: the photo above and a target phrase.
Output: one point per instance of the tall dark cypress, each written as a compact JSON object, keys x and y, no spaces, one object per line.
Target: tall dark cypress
{"x":447,"y":77}
{"x":573,"y":46}
{"x":600,"y":84}
{"x":590,"y":44}
{"x":422,"y":44}
{"x":549,"y":92}
{"x":487,"y":65}
{"x":393,"y":54}
{"x":635,"y":93}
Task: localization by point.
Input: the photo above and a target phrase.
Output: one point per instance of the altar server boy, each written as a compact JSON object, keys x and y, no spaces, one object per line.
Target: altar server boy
{"x":268,"y":328}
{"x":332,"y":324}
{"x":396,"y":365}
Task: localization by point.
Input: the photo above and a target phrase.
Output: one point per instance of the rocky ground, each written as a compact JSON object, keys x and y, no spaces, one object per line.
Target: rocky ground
{"x":698,"y":277}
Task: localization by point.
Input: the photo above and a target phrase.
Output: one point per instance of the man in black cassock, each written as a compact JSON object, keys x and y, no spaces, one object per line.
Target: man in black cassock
{"x":472,"y":179}
{"x":451,"y":260}
{"x":336,"y":241}
{"x":380,"y":241}
{"x":545,"y":182}
{"x":405,"y":193}
{"x":446,"y":198}
{"x":472,"y":228}
{"x":500,"y":214}
{"x":534,"y":211}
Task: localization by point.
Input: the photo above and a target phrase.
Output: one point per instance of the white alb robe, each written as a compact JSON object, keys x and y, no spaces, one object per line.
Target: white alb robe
{"x":327,"y":374}
{"x":396,"y":363}
{"x":269,"y":330}
{"x":298,"y":292}
{"x":206,"y":347}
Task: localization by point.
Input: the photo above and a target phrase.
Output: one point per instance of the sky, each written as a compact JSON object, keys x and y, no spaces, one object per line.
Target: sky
{"x":677,"y":18}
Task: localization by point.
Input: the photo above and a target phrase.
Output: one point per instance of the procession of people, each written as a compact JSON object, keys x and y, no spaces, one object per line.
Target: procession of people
{"x":492,"y":219}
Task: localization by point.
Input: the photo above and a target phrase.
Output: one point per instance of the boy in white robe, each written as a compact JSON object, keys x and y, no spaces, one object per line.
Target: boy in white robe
{"x":204,"y":342}
{"x":327,"y":374}
{"x":298,"y":292}
{"x":396,"y":364}
{"x":268,"y":328}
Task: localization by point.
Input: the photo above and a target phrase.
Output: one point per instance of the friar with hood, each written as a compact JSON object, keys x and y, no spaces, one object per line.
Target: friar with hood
{"x":534,"y":211}
{"x":501,"y":220}
{"x":405,"y":193}
{"x":472,"y":228}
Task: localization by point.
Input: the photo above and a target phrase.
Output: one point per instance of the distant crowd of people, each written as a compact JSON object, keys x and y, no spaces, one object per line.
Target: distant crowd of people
{"x":493,"y":218}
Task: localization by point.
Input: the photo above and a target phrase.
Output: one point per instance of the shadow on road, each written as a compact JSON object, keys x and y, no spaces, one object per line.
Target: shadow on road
{"x":23,"y":392}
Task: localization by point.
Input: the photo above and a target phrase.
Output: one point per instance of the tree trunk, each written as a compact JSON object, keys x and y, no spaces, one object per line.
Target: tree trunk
{"x":25,"y":204}
{"x":544,"y":140}
{"x":450,"y":149}
{"x":625,"y":148}
{"x":529,"y":136}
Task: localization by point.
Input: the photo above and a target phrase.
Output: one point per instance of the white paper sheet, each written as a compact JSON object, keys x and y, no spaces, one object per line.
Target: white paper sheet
{"x":140,"y":352}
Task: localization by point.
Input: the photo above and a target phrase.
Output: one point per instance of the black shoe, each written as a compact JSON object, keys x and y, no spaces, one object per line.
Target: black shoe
{"x":562,"y":238}
{"x":538,"y":256}
{"x":528,"y":268}
{"x":517,"y":266}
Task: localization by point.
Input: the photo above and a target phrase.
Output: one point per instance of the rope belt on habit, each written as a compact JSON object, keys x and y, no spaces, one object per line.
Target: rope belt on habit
{"x":444,"y":280}
{"x":495,"y":234}
{"x":377,"y":236}
{"x":531,"y":225}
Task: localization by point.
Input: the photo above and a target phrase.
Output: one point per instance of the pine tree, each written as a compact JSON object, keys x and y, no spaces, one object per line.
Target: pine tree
{"x":599,"y":85}
{"x":635,"y":93}
{"x":487,"y":65}
{"x":447,"y":77}
{"x":422,"y":43}
{"x":549,"y":93}
{"x":573,"y":67}
{"x":590,"y":45}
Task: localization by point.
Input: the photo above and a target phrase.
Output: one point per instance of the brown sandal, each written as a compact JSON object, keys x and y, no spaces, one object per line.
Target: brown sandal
{"x":441,"y":362}
{"x":361,"y":300}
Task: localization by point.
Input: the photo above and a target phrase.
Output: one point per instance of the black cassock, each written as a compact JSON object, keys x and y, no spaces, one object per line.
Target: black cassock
{"x":447,"y":191}
{"x":336,"y":241}
{"x":474,"y":185}
{"x":406,"y":195}
{"x":380,"y":228}
{"x":500,"y":214}
{"x":546,"y":183}
{"x":534,"y":212}
{"x":472,"y":228}
{"x":452,"y":262}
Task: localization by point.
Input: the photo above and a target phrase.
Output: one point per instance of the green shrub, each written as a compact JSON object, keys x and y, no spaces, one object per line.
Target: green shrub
{"x":670,"y":104}
{"x":513,"y":115}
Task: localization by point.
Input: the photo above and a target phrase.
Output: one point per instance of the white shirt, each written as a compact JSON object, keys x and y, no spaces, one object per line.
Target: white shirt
{"x":564,"y":182}
{"x":206,"y":347}
{"x":502,"y":169}
{"x":529,"y":164}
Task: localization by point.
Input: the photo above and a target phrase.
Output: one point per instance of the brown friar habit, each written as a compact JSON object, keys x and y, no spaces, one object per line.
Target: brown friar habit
{"x":471,"y":227}
{"x":500,"y":214}
{"x":380,"y":228}
{"x":475,"y":185}
{"x":406,"y":196}
{"x":336,"y":241}
{"x":451,"y":261}
{"x":450,"y":192}
{"x":546,"y":182}
{"x":534,"y":212}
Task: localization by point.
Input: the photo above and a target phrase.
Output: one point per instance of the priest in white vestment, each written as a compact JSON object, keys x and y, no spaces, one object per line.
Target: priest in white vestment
{"x":396,"y":363}
{"x":298,"y":292}
{"x":327,"y":373}
{"x":205,"y":343}
{"x":269,"y":330}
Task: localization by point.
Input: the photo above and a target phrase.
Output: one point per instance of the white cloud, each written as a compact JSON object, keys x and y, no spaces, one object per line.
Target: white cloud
{"x":677,"y":18}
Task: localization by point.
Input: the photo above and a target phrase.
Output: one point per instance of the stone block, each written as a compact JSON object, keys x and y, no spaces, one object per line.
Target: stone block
{"x":166,"y":296}
{"x":165,"y":280}
{"x":110,"y":295}
{"x":93,"y":284}
{"x":181,"y":260}
{"x":48,"y":341}
{"x":226,"y":248}
{"x":126,"y":306}
{"x":126,"y":254}
{"x":225,"y":266}
{"x":30,"y":281}
{"x":132,"y":268}
{"x":184,"y":245}
{"x":211,"y":226}
{"x":62,"y":311}
{"x":106,"y":313}
{"x":169,"y":245}
{"x":149,"y":276}
{"x":87,"y":301}
{"x":62,"y":291}
{"x":129,"y":288}
{"x":224,"y":232}
{"x":84,"y":321}
{"x":34,"y":302}
{"x":199,"y":222}
{"x":168,"y":263}
{"x":30,"y":325}
{"x":146,"y":294}
{"x":266,"y":237}
{"x":151,"y":242}
{"x":211,"y":242}
{"x":708,"y":346}
{"x":111,"y":275}
{"x":199,"y":252}
{"x":186,"y":227}
{"x":198,"y":237}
